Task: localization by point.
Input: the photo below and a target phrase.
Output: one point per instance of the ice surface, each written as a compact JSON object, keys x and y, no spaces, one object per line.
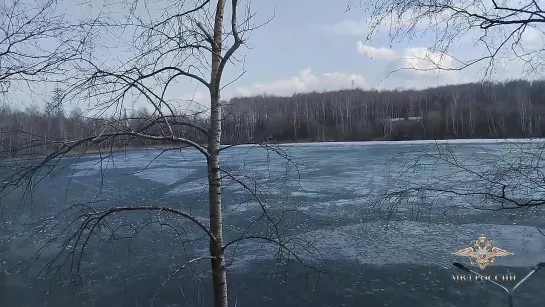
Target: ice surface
{"x":163,"y":175}
{"x":196,"y":186}
{"x":372,"y":243}
{"x":243,"y":207}
{"x":336,"y":185}
{"x":137,"y":160}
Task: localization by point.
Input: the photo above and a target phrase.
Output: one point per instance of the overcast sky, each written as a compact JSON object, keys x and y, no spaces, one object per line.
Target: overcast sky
{"x":316,"y":45}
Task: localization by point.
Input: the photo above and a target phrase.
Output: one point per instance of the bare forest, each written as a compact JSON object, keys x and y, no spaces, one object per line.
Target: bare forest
{"x":491,"y":110}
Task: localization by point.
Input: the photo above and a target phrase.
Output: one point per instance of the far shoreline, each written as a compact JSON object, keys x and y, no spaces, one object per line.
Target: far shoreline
{"x":401,"y":142}
{"x":107,"y":151}
{"x":410,"y":142}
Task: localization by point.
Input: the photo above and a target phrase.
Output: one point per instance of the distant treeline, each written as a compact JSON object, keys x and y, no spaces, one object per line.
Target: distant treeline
{"x":491,"y":110}
{"x":513,"y":109}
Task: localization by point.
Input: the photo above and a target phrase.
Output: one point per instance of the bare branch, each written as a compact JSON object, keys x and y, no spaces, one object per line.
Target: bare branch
{"x":501,"y":25}
{"x":173,"y":275}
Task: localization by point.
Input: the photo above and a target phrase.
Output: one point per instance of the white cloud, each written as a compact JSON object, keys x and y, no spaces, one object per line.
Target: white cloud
{"x":421,"y":59}
{"x":376,"y":53}
{"x":413,"y":63}
{"x":305,"y":81}
{"x":422,"y":67}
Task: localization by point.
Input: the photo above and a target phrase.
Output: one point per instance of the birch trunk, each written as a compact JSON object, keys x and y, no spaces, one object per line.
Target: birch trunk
{"x":219,"y":273}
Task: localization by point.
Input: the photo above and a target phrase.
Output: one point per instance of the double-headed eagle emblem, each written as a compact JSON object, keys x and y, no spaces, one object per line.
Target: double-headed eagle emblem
{"x":482,"y":253}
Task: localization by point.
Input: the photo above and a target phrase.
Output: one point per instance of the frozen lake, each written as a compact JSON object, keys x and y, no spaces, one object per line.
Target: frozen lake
{"x":376,"y":252}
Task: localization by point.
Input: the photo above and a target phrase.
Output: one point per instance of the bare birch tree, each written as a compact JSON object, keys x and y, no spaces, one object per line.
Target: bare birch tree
{"x":181,"y":40}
